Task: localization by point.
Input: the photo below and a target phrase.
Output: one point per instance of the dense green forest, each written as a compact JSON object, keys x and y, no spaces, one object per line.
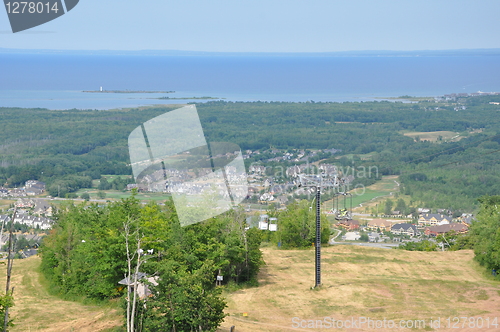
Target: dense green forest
{"x":67,"y":149}
{"x":87,"y":254}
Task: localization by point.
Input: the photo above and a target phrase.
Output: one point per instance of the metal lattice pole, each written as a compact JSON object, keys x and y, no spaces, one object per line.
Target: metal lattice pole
{"x":317,"y":182}
{"x":318,"y":236}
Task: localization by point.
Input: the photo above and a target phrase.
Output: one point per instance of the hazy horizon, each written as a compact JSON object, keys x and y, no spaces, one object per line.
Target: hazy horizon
{"x":265,"y":26}
{"x":422,"y":52}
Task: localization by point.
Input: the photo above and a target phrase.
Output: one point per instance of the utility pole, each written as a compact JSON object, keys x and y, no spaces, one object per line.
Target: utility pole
{"x":317,"y":247}
{"x":318,"y":182}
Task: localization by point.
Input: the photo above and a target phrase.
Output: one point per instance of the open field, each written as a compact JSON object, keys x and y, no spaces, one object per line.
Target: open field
{"x":366,"y":156}
{"x":36,"y":310}
{"x":370,"y":196}
{"x":433,"y":136}
{"x":110,"y":178}
{"x":5,"y":203}
{"x":365,"y":282}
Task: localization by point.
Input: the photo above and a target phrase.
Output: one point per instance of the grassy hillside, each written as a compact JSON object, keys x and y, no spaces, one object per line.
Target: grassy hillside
{"x":36,"y":310}
{"x":364,"y":282}
{"x":357,"y":282}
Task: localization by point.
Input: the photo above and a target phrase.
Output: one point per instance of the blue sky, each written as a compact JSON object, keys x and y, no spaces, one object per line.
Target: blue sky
{"x":265,"y":26}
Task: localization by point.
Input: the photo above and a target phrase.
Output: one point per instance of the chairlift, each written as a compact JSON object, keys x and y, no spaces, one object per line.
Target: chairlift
{"x":342,"y":212}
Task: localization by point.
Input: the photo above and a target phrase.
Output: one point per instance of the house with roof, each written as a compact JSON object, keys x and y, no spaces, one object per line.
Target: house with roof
{"x":373,"y":237}
{"x":292,"y":171}
{"x":348,"y":224}
{"x":257,"y":169}
{"x":266,"y":197}
{"x":405,"y":229}
{"x":443,"y":229}
{"x":33,"y":191}
{"x":33,"y":187}
{"x":4,"y":239}
{"x":33,"y":221}
{"x":396,"y":214}
{"x":466,"y":219}
{"x":42,"y":207}
{"x":4,"y":219}
{"x":382,"y":224}
{"x":351,"y":236}
{"x":18,"y":217}
{"x":25,"y":203}
{"x":433,"y":219}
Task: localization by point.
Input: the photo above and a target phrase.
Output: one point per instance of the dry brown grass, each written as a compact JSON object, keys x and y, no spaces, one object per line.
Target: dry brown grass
{"x":356,"y":281}
{"x":5,"y":203}
{"x":36,"y":310}
{"x":360,"y":281}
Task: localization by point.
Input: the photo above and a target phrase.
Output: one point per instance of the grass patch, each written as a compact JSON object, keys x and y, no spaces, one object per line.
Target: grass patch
{"x":434,"y":136}
{"x":359,"y":281}
{"x":36,"y":308}
{"x":369,"y":194}
{"x":481,"y":295}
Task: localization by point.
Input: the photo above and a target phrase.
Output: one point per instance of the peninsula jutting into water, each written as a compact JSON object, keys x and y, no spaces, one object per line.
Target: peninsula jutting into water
{"x":127,"y":91}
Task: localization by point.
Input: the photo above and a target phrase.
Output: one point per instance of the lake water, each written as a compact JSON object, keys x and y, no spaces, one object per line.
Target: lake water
{"x":56,"y":81}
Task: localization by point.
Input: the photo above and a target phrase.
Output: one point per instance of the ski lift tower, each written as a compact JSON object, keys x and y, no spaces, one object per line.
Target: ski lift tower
{"x":318,"y":182}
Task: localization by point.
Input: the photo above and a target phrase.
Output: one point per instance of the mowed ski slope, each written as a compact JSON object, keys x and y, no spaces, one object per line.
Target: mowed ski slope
{"x":366,"y":282}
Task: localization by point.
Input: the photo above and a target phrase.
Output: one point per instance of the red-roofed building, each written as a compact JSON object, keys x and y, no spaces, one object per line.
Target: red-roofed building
{"x":443,"y":229}
{"x":349,"y":224}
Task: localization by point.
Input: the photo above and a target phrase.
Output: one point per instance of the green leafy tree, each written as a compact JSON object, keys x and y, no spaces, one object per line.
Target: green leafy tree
{"x":447,"y":240}
{"x":401,"y":206}
{"x":297,"y":226}
{"x":104,"y":184}
{"x":388,"y":207}
{"x":183,"y":300}
{"x":485,"y":233}
{"x":6,"y":301}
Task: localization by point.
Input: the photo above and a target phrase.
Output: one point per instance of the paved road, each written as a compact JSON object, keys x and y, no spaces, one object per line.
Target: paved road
{"x":332,"y":240}
{"x":364,"y":244}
